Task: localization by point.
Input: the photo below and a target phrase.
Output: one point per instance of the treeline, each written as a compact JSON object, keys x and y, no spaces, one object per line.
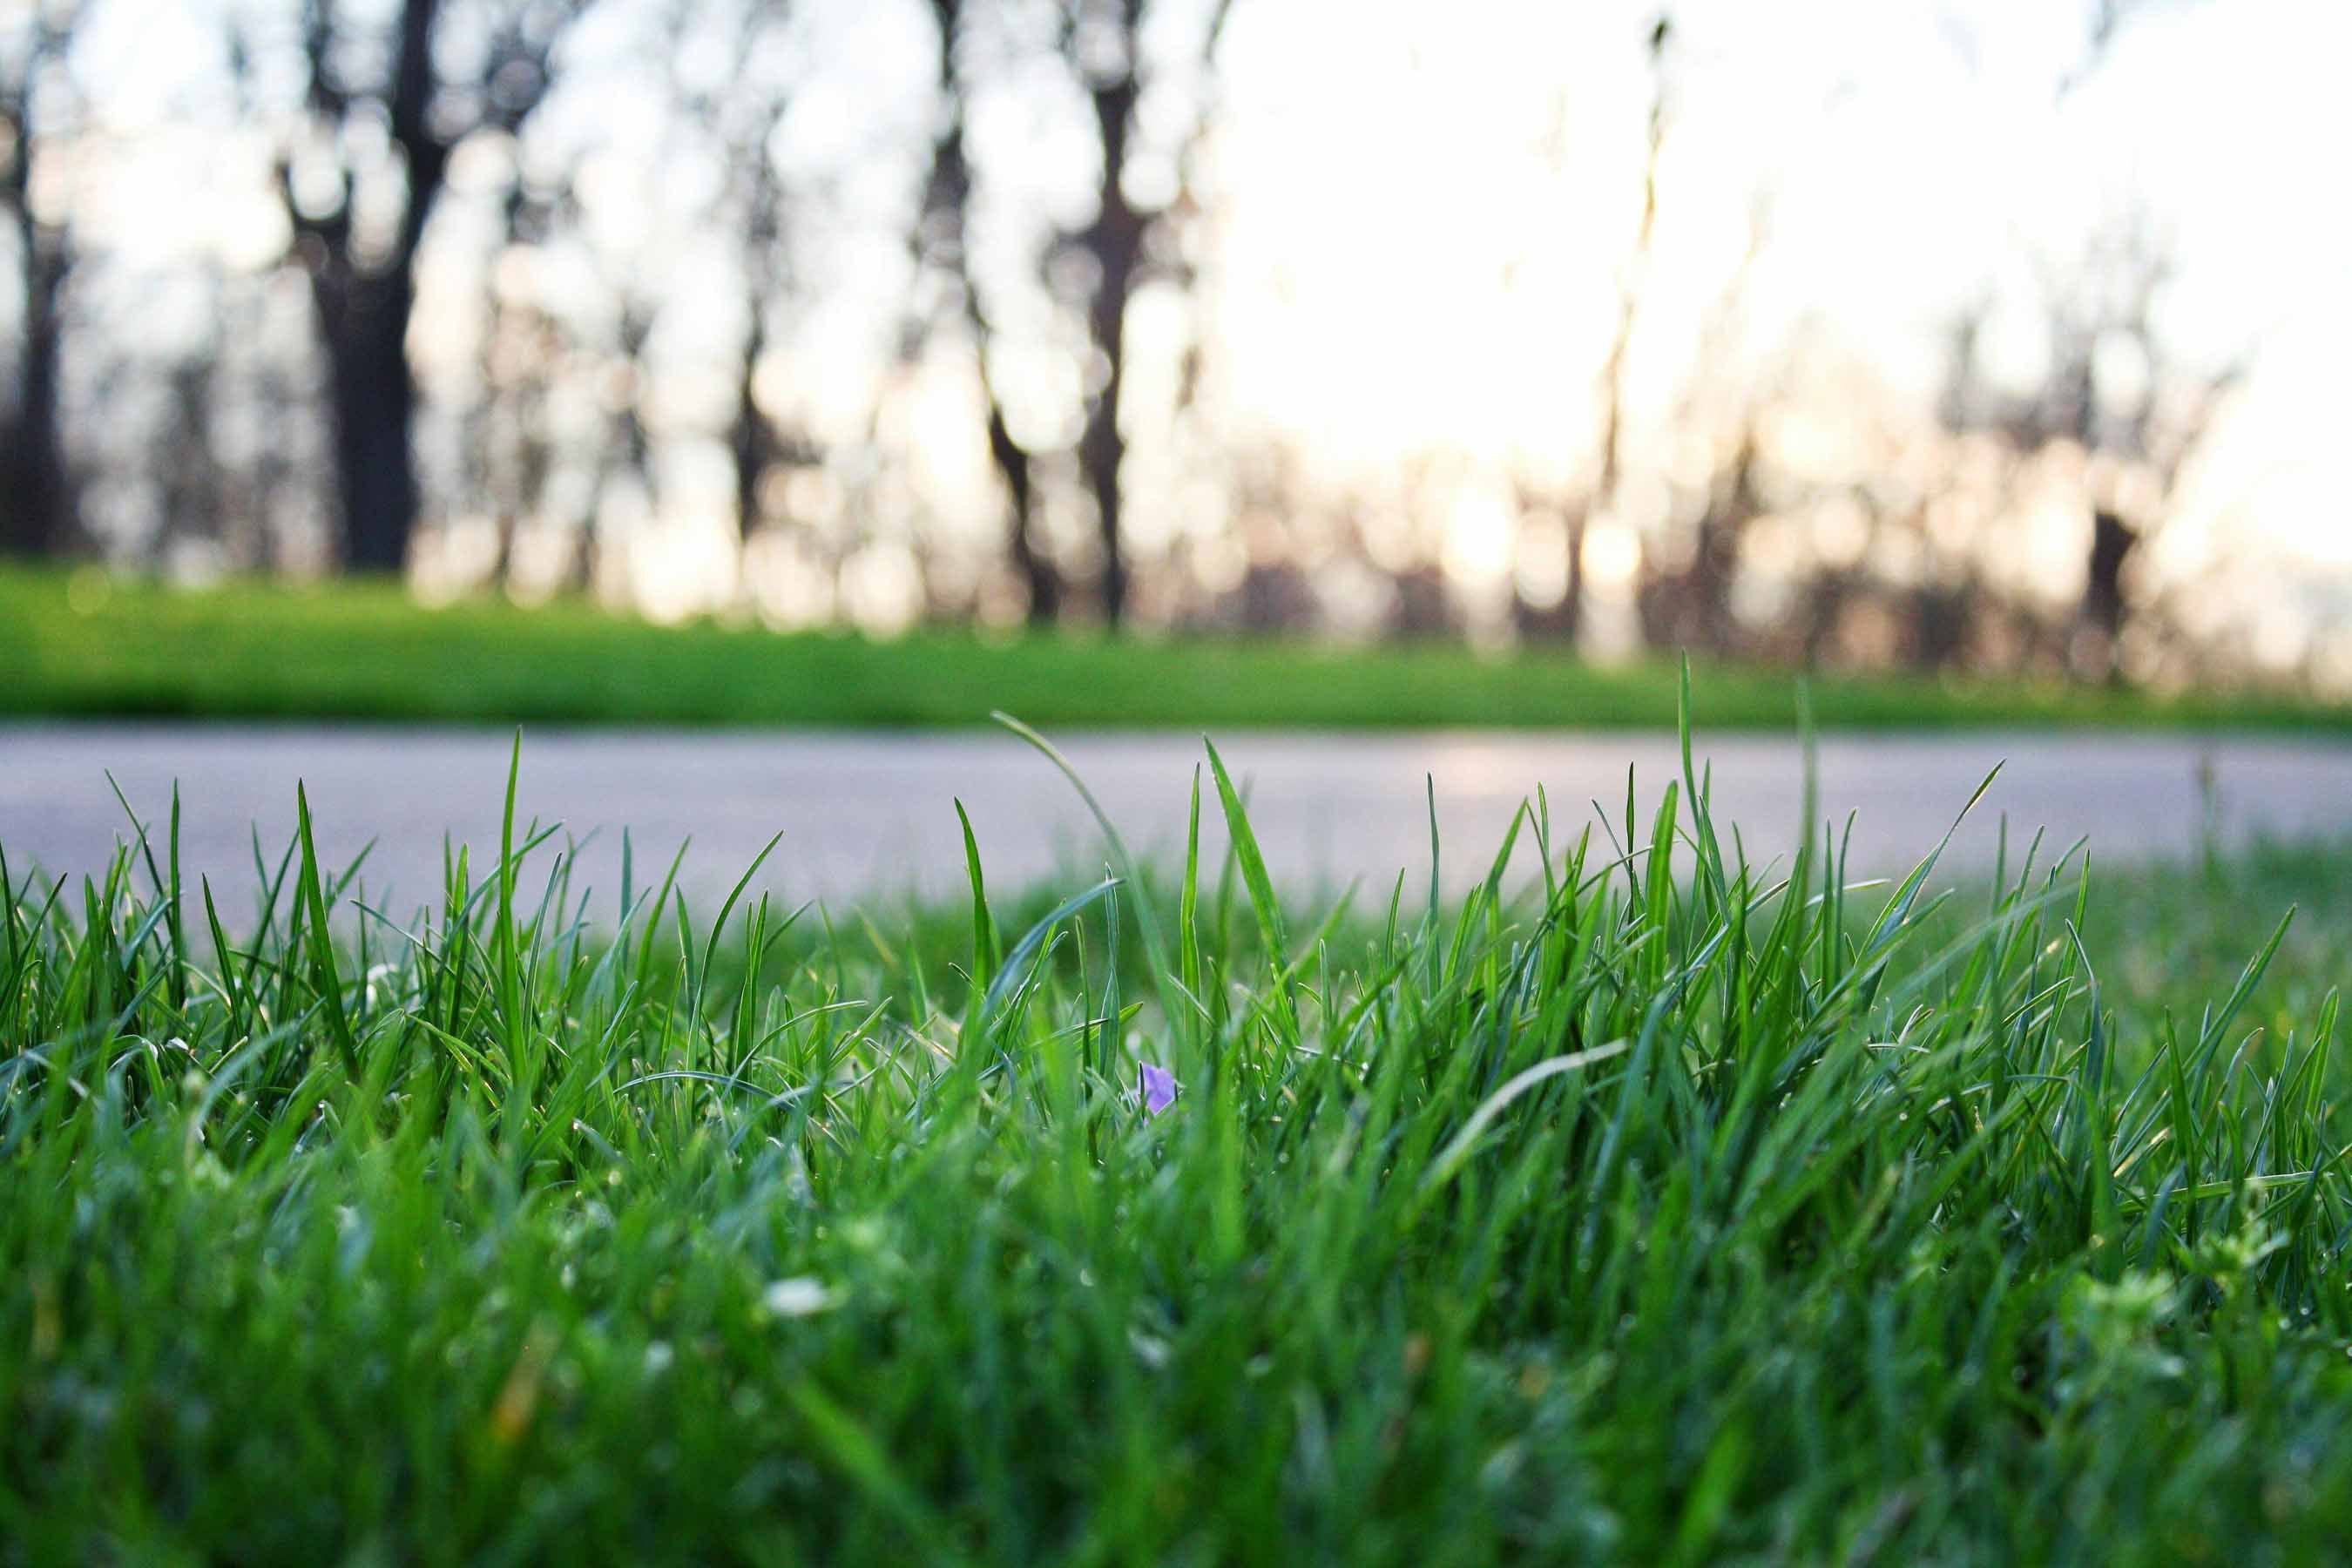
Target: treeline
{"x":497,"y":291}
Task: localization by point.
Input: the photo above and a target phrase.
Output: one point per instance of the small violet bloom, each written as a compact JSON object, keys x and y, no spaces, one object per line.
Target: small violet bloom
{"x":1158,"y":1089}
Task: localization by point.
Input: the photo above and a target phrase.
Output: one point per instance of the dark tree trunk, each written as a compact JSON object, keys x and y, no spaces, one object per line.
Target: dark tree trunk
{"x":373,"y":400}
{"x":753,"y":439}
{"x":1571,"y":621}
{"x":1115,"y":240}
{"x":363,"y":302}
{"x":36,"y":517}
{"x":373,"y":389}
{"x":1942,"y":617}
{"x":1013,"y":461}
{"x":2112,"y":542}
{"x":36,"y":501}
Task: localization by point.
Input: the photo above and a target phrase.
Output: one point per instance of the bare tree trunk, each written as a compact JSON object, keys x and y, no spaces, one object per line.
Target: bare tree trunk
{"x":372,"y":397}
{"x":1115,"y":240}
{"x":2103,"y":606}
{"x":1013,"y":461}
{"x":37,"y":491}
{"x":365,"y":301}
{"x":940,"y":242}
{"x":757,"y":447}
{"x":36,"y":516}
{"x":752,"y":438}
{"x":363,"y":312}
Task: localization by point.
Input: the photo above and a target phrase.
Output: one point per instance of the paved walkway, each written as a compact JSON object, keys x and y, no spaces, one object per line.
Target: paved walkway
{"x":868,"y":814}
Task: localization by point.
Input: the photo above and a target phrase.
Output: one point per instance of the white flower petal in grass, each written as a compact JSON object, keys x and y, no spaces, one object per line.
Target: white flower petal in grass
{"x":800,"y":1297}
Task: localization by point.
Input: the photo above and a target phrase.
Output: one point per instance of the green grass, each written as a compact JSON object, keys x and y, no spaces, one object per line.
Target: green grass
{"x":87,"y":646}
{"x":1637,"y":1217}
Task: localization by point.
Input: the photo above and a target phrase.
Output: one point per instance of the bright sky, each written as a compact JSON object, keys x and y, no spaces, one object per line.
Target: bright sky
{"x":1913,"y":153}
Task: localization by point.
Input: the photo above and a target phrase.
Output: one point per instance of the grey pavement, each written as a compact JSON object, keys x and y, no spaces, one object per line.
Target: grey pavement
{"x":871,"y":816}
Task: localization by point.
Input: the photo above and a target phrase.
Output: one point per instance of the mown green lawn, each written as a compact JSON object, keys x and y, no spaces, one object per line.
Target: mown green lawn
{"x":1731,"y":1214}
{"x":88,"y":646}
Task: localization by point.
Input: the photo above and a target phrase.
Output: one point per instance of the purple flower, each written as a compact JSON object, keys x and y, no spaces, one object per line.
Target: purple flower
{"x":1158,"y":1089}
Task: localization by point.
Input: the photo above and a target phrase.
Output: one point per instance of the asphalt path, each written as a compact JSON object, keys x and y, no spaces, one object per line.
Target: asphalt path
{"x":870,"y":816}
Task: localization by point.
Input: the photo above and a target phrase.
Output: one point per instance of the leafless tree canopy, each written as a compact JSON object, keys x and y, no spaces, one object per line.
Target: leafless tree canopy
{"x":554,"y":299}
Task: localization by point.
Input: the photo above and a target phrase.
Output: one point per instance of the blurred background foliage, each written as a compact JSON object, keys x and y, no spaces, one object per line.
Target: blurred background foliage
{"x":1985,"y":338}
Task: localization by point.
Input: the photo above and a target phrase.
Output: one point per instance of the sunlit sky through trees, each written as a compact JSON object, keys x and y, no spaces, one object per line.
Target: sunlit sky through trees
{"x":1413,"y":224}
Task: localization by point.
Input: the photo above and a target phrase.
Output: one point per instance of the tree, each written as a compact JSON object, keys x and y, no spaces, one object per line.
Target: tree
{"x":1111,"y":67}
{"x":1127,"y":242}
{"x":381,"y":116}
{"x":941,"y":250}
{"x":744,"y":121}
{"x":2139,"y":271}
{"x":2103,"y":309}
{"x":2099,"y":306}
{"x":1104,"y":43}
{"x":752,"y":436}
{"x":36,"y":499}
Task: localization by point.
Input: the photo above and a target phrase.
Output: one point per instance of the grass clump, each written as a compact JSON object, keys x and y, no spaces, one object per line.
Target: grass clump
{"x":1636,"y":1217}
